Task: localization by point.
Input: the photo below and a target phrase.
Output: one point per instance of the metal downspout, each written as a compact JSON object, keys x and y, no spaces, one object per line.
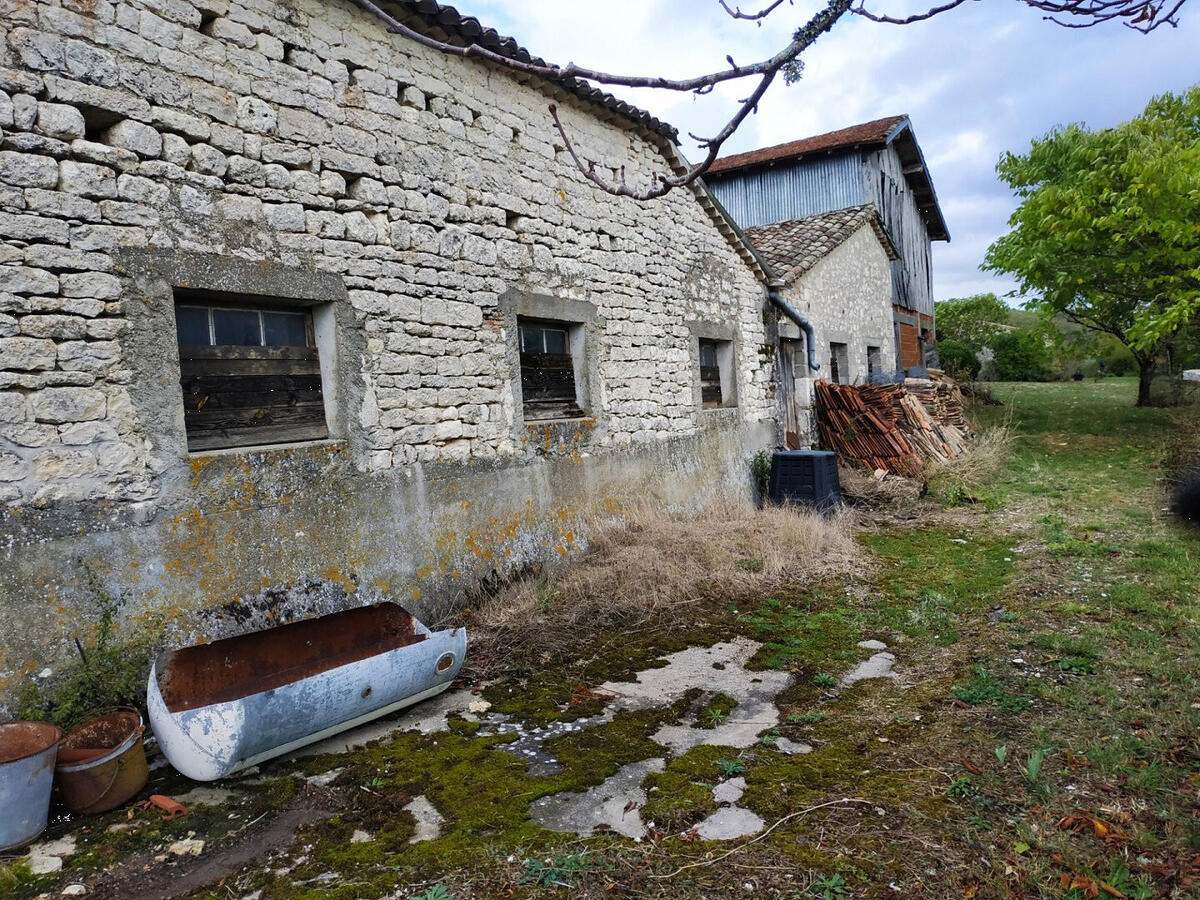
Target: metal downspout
{"x":810,"y":338}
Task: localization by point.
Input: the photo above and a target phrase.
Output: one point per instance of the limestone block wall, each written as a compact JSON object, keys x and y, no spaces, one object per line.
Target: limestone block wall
{"x":294,"y":149}
{"x":848,"y":298}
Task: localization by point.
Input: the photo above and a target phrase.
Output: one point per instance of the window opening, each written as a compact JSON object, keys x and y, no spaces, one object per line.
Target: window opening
{"x":248,"y":374}
{"x":839,"y":363}
{"x":710,"y":374}
{"x":548,"y":388}
{"x":874,"y":361}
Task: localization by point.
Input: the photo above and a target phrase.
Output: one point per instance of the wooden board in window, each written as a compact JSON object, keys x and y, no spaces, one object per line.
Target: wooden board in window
{"x":710,"y":375}
{"x":710,"y":385}
{"x":235,"y":396}
{"x":548,"y":386}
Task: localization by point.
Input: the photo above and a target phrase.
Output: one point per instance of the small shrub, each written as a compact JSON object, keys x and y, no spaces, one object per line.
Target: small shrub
{"x":760,"y":471}
{"x":808,"y":718}
{"x":958,"y":360}
{"x":1021,"y":355}
{"x":717,"y":711}
{"x":962,"y":788}
{"x":556,"y":871}
{"x":1120,"y":362}
{"x":824,"y":679}
{"x":985,"y":689}
{"x":1033,"y":768}
{"x":111,"y":672}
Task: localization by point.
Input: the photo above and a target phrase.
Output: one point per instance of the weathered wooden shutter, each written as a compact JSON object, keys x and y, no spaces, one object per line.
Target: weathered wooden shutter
{"x":710,"y":385}
{"x":548,"y":386}
{"x":237,"y":396}
{"x":710,"y":375}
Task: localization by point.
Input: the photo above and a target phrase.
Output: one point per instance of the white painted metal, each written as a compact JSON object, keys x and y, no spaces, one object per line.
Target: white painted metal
{"x":216,"y":740}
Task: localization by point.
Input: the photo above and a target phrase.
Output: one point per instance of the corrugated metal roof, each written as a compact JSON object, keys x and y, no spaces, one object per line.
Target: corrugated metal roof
{"x":766,"y":194}
{"x":793,"y":247}
{"x":895,"y":131}
{"x":867,"y":134}
{"x":471,"y":31}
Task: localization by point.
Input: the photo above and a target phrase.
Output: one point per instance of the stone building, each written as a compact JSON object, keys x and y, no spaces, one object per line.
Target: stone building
{"x":295,"y":314}
{"x":877,"y":164}
{"x":836,"y":272}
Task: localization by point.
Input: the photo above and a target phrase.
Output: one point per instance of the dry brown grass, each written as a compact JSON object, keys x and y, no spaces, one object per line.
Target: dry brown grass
{"x":955,"y":479}
{"x":653,"y":564}
{"x":862,"y":489}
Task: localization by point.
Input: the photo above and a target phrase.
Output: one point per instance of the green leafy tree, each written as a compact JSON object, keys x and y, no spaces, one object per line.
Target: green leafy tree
{"x":971,"y":320}
{"x":1021,"y":355}
{"x":1108,"y":230}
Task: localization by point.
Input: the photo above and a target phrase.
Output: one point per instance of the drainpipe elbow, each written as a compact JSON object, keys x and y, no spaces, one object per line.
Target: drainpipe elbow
{"x":810,"y":337}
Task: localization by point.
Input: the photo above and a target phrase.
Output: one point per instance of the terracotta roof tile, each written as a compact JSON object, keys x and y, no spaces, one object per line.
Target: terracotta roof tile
{"x":868,"y":133}
{"x":793,"y":247}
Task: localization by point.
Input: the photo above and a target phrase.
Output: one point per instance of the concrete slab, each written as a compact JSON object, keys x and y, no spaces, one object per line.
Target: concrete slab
{"x":207,"y":796}
{"x":878,"y":666}
{"x":790,"y":747}
{"x":426,"y":717}
{"x":429,"y":820}
{"x":729,"y":823}
{"x":720,"y":668}
{"x":604,"y":804}
{"x":730,"y":791}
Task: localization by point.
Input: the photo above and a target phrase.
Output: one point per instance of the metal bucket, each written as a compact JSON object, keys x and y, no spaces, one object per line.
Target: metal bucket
{"x":102,"y":763}
{"x":27,"y":751}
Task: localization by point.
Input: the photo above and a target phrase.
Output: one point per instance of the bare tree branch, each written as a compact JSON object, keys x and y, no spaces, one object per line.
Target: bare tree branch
{"x":753,"y":17}
{"x":1141,"y":15}
{"x":553,"y":72}
{"x":860,"y":10}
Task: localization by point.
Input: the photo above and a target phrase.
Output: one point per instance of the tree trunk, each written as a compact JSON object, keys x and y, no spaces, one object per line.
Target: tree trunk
{"x":1145,"y":376}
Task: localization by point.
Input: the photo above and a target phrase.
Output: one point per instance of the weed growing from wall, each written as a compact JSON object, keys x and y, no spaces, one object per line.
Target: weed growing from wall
{"x":110,"y":672}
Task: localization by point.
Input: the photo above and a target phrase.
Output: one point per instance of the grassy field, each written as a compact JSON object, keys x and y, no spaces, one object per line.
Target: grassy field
{"x":1041,"y":739}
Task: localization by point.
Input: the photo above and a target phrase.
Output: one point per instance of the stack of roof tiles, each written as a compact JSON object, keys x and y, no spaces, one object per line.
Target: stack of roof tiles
{"x":896,"y":428}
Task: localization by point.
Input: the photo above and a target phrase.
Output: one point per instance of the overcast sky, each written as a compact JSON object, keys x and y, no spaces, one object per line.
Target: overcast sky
{"x":977,"y":81}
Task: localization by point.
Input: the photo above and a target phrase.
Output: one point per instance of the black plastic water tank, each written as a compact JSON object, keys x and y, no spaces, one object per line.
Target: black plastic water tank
{"x":805,"y":476}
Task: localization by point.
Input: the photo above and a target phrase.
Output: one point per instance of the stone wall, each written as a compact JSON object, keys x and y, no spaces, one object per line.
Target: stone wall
{"x":292,"y":149}
{"x":847,"y":297}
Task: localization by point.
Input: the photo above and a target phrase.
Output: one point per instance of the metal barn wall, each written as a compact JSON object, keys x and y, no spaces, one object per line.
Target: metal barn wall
{"x":885,"y":184}
{"x":791,"y":190}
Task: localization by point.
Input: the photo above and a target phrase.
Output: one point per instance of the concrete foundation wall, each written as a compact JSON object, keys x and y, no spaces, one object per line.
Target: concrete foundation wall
{"x":257,"y":538}
{"x":419,"y":204}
